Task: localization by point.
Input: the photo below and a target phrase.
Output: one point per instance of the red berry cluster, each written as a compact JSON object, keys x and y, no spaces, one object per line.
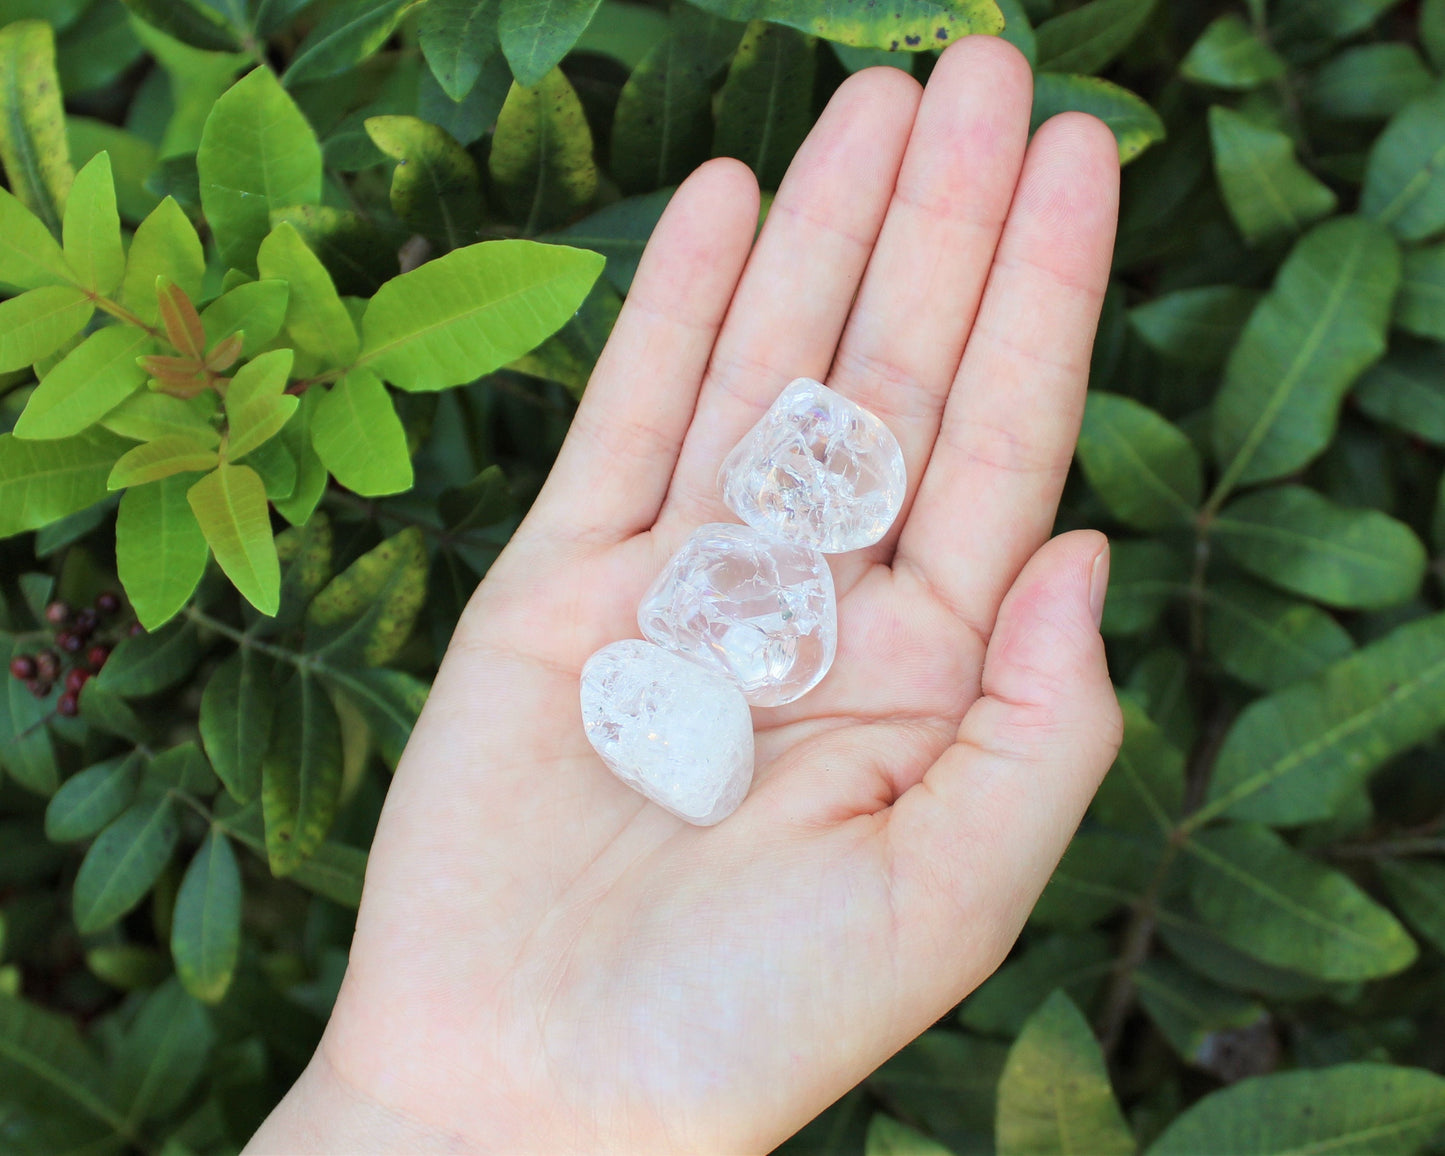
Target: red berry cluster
{"x":76,"y":655}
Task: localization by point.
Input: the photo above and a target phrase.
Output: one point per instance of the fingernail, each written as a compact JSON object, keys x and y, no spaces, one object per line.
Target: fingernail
{"x":1099,"y":584}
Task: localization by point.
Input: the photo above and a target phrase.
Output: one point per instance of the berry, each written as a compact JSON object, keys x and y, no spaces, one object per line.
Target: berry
{"x":95,"y":657}
{"x":57,"y":612}
{"x":47,"y":665}
{"x":85,"y":622}
{"x":69,"y":641}
{"x":136,"y":628}
{"x":75,"y":678}
{"x":39,"y":687}
{"x":23,"y":666}
{"x":107,"y":602}
{"x":69,"y":704}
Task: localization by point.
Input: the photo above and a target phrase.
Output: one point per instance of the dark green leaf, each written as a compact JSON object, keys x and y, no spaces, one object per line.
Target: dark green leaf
{"x":185,"y":768}
{"x":889,"y":1137}
{"x":1144,"y":789}
{"x":237,"y":710}
{"x":1143,"y":577}
{"x":1308,"y":20}
{"x":301,"y":774}
{"x":541,"y":157}
{"x":124,"y":861}
{"x":1371,"y":82}
{"x":206,"y":927}
{"x":88,"y":801}
{"x":619,"y":232}
{"x":45,"y":1065}
{"x":1195,"y":326}
{"x":1088,"y":38}
{"x":536,"y":34}
{"x":110,"y":714}
{"x":763,"y":110}
{"x":435,"y":187}
{"x":148,"y":663}
{"x":1269,"y":641}
{"x":389,"y":701}
{"x":1188,"y":1010}
{"x":1405,"y":174}
{"x":1420,"y":308}
{"x":192,"y":22}
{"x":1268,"y":193}
{"x":1075,"y":963}
{"x":945,"y":1081}
{"x":163,"y":1055}
{"x":1418,"y":890}
{"x":346,"y":36}
{"x":1230,"y":54}
{"x":1141,"y":466}
{"x":457,"y":38}
{"x":1100,"y":872}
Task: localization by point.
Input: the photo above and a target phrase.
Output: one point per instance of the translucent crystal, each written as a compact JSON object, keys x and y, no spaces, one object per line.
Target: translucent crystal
{"x":816,"y":469}
{"x":669,"y":728}
{"x":758,"y":610}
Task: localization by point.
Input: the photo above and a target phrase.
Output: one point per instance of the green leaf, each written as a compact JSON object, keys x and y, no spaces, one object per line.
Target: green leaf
{"x":1266,"y":899}
{"x":1144,"y":789}
{"x":315,"y":317}
{"x":161,"y":458}
{"x":1190,"y":1011}
{"x":163,"y":1054}
{"x":109,"y":714}
{"x":1432,"y":31}
{"x":145,"y":664}
{"x":230,"y":505}
{"x":123,"y":863}
{"x":664,"y":114}
{"x":44,"y":1065}
{"x":257,"y":405}
{"x":93,"y":246}
{"x":194,"y":22}
{"x":907,"y":26}
{"x":185,"y":768}
{"x":536,"y":34}
{"x":1195,"y":326}
{"x":206,"y":927}
{"x":1268,"y":641}
{"x":33,"y":145}
{"x":90,"y":800}
{"x":1382,"y":1109}
{"x":570,"y":355}
{"x":1054,"y":1095}
{"x":36,"y":324}
{"x":359,"y":436}
{"x":1075,"y":963}
{"x":354,"y":250}
{"x":26,"y":750}
{"x":1230,"y":54}
{"x":160,"y":550}
{"x":1406,"y":391}
{"x":1143,"y":577}
{"x":1300,"y":541}
{"x":238,"y":708}
{"x":1405,"y":173}
{"x":301,"y":774}
{"x":165,"y":245}
{"x":1320,"y":326}
{"x":1089,"y":38}
{"x":1417,"y":888}
{"x":461,"y":316}
{"x":1134,"y":124}
{"x":435,"y":188}
{"x":889,"y":1137}
{"x":541,"y":158}
{"x":42,"y":482}
{"x":1313,"y":20}
{"x":945,"y":1081}
{"x":92,"y":380}
{"x":257,"y":153}
{"x":620,"y":231}
{"x":346,"y":36}
{"x":1268,"y":193}
{"x":256,"y":309}
{"x":1142,"y":467}
{"x":29,"y":255}
{"x":1371,"y":82}
{"x":1420,"y":308}
{"x":366,"y":612}
{"x":764,"y":109}
{"x":389,"y":700}
{"x":457,"y":38}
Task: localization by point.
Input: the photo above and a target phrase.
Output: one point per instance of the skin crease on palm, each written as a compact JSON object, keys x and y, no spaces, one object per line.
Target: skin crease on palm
{"x":544,"y":961}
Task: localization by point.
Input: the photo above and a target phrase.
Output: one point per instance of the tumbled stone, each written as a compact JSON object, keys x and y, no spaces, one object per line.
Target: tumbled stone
{"x":817,"y":469}
{"x":758,"y":610}
{"x":669,"y":728}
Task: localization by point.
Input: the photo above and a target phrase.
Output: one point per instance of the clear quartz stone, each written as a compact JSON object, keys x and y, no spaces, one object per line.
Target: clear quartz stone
{"x":669,"y":728}
{"x":817,"y":469}
{"x":758,"y":610}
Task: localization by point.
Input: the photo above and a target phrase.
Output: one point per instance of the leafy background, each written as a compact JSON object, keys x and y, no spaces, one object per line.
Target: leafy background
{"x":233,"y":228}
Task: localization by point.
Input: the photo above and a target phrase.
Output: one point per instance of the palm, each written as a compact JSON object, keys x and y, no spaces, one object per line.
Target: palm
{"x":543,"y":958}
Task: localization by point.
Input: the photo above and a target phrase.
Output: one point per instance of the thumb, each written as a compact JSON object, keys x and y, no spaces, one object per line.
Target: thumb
{"x":998,"y":809}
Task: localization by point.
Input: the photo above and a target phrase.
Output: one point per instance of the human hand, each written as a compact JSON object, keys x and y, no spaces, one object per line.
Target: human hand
{"x":544,"y":961}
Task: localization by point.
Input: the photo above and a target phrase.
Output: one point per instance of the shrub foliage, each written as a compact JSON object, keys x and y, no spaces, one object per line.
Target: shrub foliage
{"x":299,"y":296}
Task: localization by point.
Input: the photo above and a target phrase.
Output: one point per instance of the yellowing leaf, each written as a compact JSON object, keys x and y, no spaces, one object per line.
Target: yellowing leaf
{"x":33,"y":145}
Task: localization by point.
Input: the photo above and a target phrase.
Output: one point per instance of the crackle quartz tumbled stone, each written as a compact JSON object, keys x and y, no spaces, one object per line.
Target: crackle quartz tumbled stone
{"x":817,"y":469}
{"x":758,"y":610}
{"x":669,"y":728}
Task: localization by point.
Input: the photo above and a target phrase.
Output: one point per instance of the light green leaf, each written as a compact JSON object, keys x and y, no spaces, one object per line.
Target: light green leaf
{"x":29,"y":255}
{"x":1230,"y":54}
{"x":908,"y":26}
{"x":163,"y":1054}
{"x":238,"y":707}
{"x":367,"y":611}
{"x":1076,"y":963}
{"x":764,"y":110}
{"x":33,"y":145}
{"x":541,"y":158}
{"x":257,"y":405}
{"x":359,"y":436}
{"x":1266,"y":640}
{"x":206,"y":927}
{"x":1269,"y":901}
{"x":355,"y":251}
{"x":192,"y":22}
{"x":1143,"y":577}
{"x":26,"y":750}
{"x":315,"y":317}
{"x":1382,"y":1109}
{"x":1320,"y":326}
{"x":160,"y":550}
{"x":1420,"y":308}
{"x":257,"y":153}
{"x":1135,"y":125}
{"x":154,"y":460}
{"x":1194,"y":326}
{"x":311,"y":473}
{"x":1088,"y":38}
{"x":147,"y":415}
{"x":457,"y":38}
{"x":1268,"y":193}
{"x":664,"y":115}
{"x":1405,"y":172}
{"x":1370,"y":82}
{"x":1144,"y":789}
{"x":95,"y":377}
{"x":230,"y":505}
{"x":1299,"y":540}
{"x":1190,"y":1011}
{"x":91,"y":228}
{"x":42,"y":482}
{"x":132,"y":159}
{"x":536,"y":34}
{"x":461,"y":316}
{"x":1418,"y":890}
{"x":145,"y":664}
{"x":256,"y":309}
{"x":90,"y":800}
{"x":36,"y":324}
{"x":345,"y":36}
{"x":435,"y":188}
{"x":889,"y":1137}
{"x":301,"y":774}
{"x":124,"y":861}
{"x":1054,"y":1096}
{"x":1142,"y":467}
{"x":165,"y":245}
